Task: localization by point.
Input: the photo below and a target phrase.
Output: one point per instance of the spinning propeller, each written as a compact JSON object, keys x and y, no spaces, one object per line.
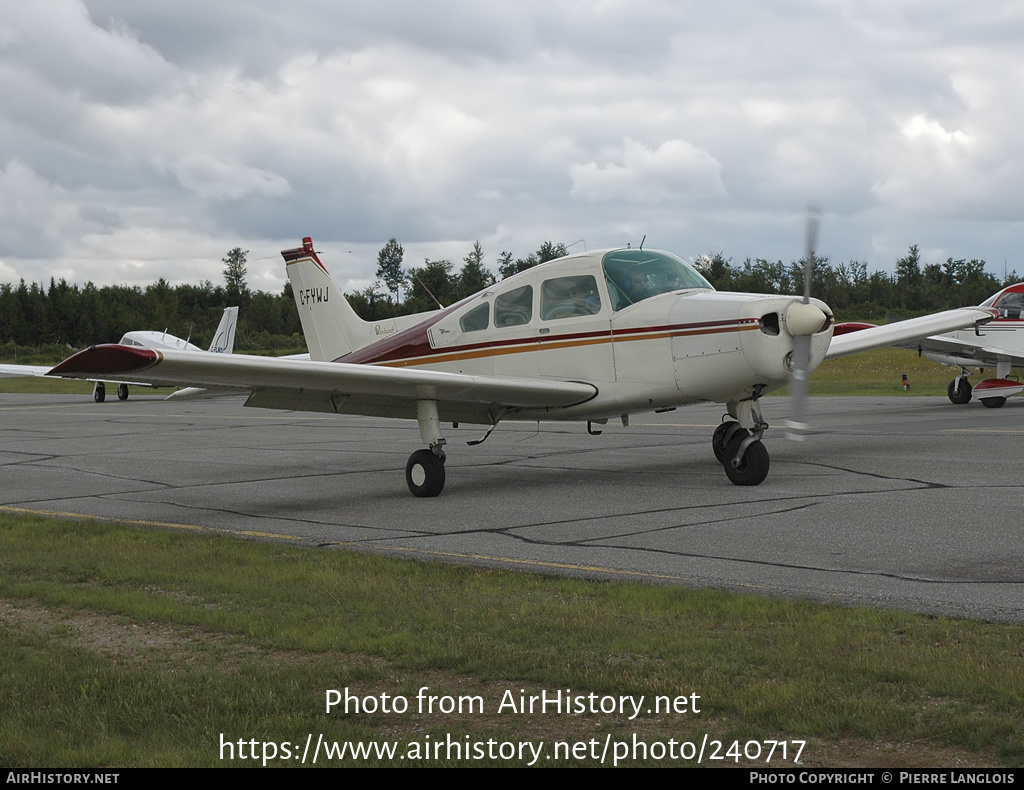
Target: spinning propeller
{"x":803,"y":320}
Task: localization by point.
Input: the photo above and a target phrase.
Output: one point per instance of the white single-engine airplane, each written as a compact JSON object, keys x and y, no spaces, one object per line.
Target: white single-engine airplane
{"x":1000,"y":345}
{"x":587,"y":337}
{"x":223,"y":343}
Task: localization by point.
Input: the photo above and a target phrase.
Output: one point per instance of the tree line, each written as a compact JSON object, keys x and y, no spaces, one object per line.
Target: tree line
{"x":50,"y":320}
{"x":848,"y":288}
{"x":854,"y":293}
{"x":62,"y":315}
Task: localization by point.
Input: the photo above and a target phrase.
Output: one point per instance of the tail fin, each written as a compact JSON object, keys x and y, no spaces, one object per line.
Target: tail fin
{"x":224,"y":337}
{"x":331,"y":326}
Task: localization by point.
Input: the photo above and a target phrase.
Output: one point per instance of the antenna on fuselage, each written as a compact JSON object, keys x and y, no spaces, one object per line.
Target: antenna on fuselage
{"x":436,"y":300}
{"x":642,"y":241}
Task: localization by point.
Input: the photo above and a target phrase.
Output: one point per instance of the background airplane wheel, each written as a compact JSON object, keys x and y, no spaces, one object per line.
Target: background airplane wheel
{"x":122,"y":392}
{"x":962,"y":393}
{"x":993,"y":403}
{"x":99,"y":393}
{"x":753,"y":469}
{"x":425,"y":473}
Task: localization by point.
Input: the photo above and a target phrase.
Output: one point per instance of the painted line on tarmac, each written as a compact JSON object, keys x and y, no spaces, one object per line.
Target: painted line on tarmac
{"x":510,"y":561}
{"x":564,"y":566}
{"x":140,"y":523}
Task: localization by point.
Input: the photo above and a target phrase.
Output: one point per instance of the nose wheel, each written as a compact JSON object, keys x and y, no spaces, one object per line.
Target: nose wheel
{"x":741,"y":452}
{"x":959,"y":391}
{"x":746,"y":466}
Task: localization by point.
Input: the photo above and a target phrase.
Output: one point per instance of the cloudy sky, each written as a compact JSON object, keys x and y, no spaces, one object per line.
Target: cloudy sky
{"x":141,"y":140}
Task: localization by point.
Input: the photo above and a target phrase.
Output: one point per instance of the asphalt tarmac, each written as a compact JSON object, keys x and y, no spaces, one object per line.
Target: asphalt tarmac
{"x":897,"y":502}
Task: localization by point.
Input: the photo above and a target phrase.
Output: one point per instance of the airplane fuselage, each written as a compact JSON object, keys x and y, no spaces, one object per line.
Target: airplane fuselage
{"x":569,"y":321}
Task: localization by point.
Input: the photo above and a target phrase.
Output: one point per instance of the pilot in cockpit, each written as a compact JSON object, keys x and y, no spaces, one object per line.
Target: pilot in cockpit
{"x":639,"y":287}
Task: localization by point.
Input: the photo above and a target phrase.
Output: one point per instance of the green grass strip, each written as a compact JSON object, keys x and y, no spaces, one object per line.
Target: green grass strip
{"x":122,"y":646}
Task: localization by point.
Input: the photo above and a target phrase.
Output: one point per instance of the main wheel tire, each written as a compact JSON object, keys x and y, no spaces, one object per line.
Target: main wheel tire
{"x":959,"y":395}
{"x":99,"y":393}
{"x":753,"y":469}
{"x":122,"y":392}
{"x":718,"y":439}
{"x":425,"y":473}
{"x":993,"y":403}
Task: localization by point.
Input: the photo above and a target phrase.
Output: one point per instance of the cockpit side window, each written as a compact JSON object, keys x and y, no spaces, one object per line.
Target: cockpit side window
{"x":514,"y":308}
{"x":476,"y":319}
{"x":635,"y":275}
{"x":567,"y":297}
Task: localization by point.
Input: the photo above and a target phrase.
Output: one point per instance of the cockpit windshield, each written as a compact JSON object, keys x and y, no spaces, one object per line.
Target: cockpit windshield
{"x":1009,"y":303}
{"x":635,"y":275}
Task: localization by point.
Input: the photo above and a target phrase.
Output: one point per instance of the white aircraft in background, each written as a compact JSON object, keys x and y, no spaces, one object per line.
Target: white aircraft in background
{"x":223,"y":343}
{"x":586,"y":337}
{"x":999,"y":345}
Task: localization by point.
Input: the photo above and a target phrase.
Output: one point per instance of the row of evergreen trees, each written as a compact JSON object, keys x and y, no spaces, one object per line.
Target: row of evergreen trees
{"x":848,"y":288}
{"x":65,"y":315}
{"x":854,"y":293}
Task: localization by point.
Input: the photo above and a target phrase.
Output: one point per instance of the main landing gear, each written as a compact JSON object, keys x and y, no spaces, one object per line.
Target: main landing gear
{"x":424,"y":473}
{"x":739,"y":449}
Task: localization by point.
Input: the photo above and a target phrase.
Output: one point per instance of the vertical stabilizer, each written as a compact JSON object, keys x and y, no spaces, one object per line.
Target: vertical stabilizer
{"x":224,"y":337}
{"x":331,"y":326}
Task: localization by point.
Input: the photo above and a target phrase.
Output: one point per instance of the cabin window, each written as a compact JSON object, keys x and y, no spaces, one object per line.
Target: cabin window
{"x":635,"y":275}
{"x":514,"y":308}
{"x":476,"y":319}
{"x":567,"y":297}
{"x":1009,"y":304}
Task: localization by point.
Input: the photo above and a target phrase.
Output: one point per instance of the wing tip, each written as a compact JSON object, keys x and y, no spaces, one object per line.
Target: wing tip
{"x":104,"y":360}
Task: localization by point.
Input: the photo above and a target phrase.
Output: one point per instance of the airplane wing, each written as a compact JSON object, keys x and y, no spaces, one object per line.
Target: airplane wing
{"x":332,"y":387}
{"x":907,"y":334}
{"x":13,"y":371}
{"x":983,"y":356}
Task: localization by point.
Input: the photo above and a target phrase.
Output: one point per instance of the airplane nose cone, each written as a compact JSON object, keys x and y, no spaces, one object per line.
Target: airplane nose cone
{"x":804,"y":319}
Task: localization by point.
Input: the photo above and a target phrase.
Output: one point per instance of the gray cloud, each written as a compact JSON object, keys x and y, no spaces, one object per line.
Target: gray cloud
{"x":142,"y":140}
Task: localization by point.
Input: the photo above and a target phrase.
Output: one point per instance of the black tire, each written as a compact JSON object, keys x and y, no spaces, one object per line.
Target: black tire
{"x":99,"y":392}
{"x":753,"y":469}
{"x":425,"y":473}
{"x":718,"y":439}
{"x":962,"y":394}
{"x":993,"y":403}
{"x":122,"y":392}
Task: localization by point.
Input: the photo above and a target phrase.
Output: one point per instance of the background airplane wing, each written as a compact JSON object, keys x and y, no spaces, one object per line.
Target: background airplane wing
{"x":329,"y":386}
{"x":905,"y":334}
{"x":984,"y":356}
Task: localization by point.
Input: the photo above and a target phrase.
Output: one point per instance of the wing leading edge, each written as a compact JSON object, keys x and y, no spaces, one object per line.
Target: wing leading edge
{"x":901,"y":333}
{"x":331,"y":386}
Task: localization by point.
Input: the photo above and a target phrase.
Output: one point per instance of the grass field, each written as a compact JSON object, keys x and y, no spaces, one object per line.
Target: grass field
{"x":128,"y":647}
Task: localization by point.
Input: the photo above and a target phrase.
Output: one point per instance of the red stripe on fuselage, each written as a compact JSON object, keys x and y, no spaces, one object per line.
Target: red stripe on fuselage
{"x":412,"y":346}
